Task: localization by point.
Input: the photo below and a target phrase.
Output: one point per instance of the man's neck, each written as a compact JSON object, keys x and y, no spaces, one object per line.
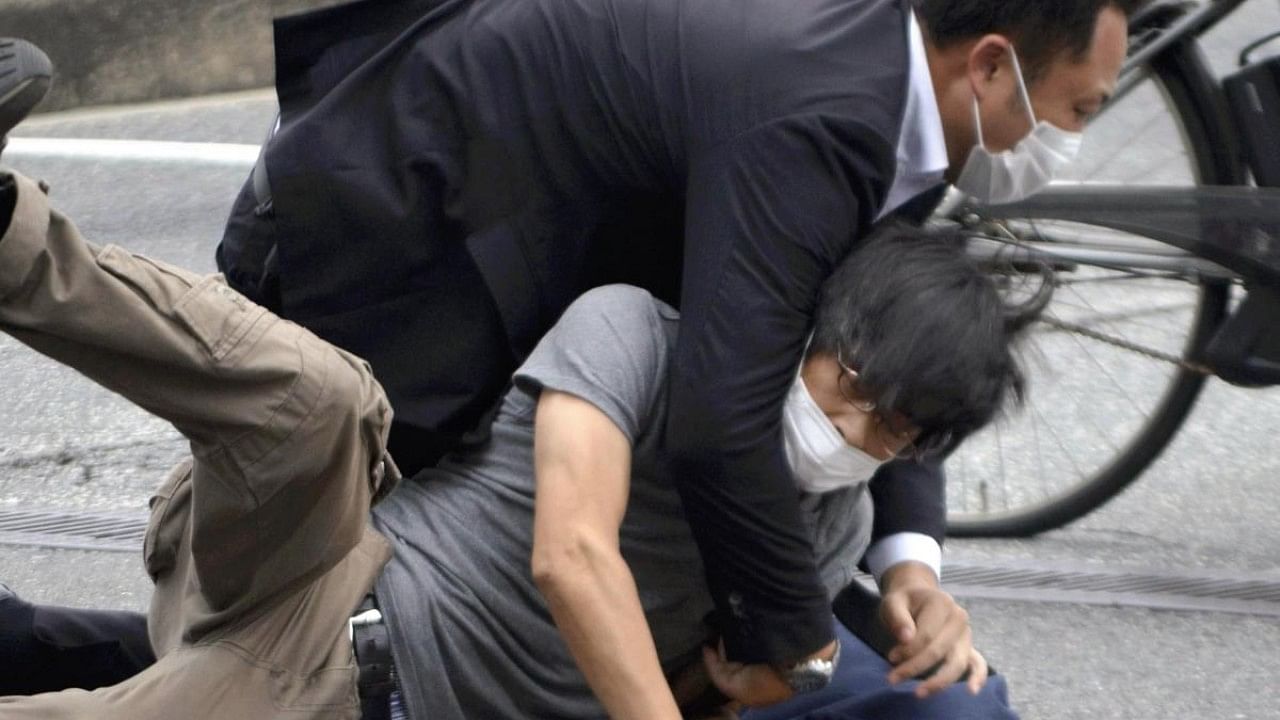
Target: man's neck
{"x":948,"y":69}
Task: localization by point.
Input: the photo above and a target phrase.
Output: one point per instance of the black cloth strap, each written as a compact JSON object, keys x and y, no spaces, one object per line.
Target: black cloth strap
{"x":372,"y":645}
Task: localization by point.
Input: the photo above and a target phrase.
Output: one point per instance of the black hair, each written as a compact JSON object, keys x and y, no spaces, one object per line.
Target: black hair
{"x":926,"y":329}
{"x":1040,"y":29}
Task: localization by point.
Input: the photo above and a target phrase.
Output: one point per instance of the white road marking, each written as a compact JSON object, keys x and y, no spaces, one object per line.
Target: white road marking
{"x":159,"y":151}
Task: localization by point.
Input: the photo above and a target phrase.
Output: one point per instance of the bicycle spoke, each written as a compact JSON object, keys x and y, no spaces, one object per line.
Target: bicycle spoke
{"x":1106,"y":372}
{"x":1070,"y":456}
{"x":1127,"y":277}
{"x":1004,"y":477}
{"x":1040,"y":472}
{"x":1104,"y":319}
{"x":1129,"y":316}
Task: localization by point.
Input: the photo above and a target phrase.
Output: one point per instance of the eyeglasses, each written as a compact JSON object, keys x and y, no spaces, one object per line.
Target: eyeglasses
{"x":895,"y":429}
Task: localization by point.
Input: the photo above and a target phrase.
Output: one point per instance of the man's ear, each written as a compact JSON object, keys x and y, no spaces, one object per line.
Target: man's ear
{"x":986,"y":62}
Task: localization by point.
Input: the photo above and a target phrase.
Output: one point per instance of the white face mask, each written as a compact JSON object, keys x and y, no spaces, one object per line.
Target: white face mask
{"x":820,"y":459}
{"x":1028,"y":168}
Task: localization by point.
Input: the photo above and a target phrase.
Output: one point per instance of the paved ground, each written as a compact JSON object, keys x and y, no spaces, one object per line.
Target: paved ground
{"x":1209,"y":504}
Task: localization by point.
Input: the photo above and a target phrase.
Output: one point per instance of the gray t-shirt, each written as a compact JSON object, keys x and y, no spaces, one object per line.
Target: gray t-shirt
{"x":471,"y":634}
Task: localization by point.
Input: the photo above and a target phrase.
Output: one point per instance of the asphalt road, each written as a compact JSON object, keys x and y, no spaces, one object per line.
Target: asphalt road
{"x":1209,"y":504}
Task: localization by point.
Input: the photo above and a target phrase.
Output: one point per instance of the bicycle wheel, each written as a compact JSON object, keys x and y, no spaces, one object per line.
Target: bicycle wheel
{"x":1104,"y":396}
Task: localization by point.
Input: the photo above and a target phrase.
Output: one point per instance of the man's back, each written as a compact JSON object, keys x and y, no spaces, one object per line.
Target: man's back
{"x":523,"y":126}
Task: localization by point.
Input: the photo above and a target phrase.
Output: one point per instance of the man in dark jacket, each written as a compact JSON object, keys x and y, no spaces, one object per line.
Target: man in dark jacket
{"x":448,"y":175}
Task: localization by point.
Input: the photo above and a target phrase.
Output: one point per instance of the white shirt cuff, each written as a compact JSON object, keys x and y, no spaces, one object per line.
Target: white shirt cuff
{"x":901,"y":547}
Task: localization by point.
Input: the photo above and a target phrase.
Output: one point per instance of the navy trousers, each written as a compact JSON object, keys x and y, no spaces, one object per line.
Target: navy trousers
{"x":860,"y":691}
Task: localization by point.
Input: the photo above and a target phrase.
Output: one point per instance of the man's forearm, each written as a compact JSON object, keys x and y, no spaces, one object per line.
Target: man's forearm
{"x":593,"y":599}
{"x":582,"y":462}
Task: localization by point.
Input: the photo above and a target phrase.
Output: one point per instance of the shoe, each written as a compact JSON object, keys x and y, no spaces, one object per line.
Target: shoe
{"x":25,"y":74}
{"x":6,"y":593}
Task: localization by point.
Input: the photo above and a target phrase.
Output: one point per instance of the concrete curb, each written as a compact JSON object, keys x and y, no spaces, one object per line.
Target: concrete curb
{"x":116,"y":51}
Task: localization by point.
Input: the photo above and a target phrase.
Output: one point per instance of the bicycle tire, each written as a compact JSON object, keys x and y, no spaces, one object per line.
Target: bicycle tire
{"x":1189,"y":87}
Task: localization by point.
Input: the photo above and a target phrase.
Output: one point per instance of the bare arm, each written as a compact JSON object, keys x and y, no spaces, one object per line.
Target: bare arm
{"x":582,"y":463}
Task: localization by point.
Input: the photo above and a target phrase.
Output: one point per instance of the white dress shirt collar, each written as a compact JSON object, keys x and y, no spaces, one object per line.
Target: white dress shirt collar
{"x":922,"y":147}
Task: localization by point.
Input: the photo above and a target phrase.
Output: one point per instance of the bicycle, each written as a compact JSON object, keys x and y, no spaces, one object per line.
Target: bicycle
{"x":1155,"y":288}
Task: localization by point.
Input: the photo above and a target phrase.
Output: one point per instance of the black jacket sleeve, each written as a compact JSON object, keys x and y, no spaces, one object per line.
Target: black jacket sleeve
{"x":909,"y":496}
{"x":768,"y":214}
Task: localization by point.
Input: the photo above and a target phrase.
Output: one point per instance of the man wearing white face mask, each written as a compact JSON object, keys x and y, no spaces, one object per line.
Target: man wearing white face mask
{"x":1010,"y":108}
{"x":1012,"y":175}
{"x":910,"y":353}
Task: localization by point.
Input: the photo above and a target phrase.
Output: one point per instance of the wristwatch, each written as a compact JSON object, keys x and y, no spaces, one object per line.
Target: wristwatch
{"x":812,"y":674}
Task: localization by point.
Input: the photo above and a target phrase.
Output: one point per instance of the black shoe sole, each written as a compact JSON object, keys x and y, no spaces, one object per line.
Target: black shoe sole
{"x":25,"y":75}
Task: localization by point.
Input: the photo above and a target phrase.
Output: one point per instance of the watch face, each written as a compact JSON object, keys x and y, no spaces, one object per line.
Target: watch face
{"x":804,"y":680}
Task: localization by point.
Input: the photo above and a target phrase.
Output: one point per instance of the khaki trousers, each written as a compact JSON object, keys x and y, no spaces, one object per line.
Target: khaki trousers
{"x":259,"y":545}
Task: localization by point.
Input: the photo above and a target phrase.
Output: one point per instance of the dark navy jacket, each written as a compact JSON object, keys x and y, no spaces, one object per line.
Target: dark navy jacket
{"x":724,"y":154}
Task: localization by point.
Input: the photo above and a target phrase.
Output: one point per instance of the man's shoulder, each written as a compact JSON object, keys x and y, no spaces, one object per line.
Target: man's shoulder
{"x":611,"y":326}
{"x":619,"y":304}
{"x":611,"y":348}
{"x":839,"y":58}
{"x":832,"y":72}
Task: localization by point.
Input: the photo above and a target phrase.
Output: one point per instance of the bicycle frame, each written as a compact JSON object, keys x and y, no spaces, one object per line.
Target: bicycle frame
{"x":1187,"y":26}
{"x":1230,"y":232}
